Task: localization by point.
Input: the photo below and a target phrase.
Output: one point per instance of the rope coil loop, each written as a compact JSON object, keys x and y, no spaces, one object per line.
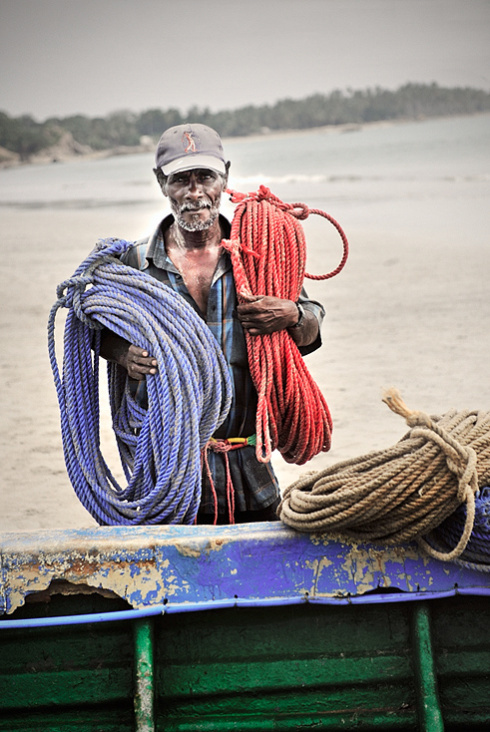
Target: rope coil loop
{"x":188,"y":398}
{"x":477,"y":552}
{"x":403,"y":493}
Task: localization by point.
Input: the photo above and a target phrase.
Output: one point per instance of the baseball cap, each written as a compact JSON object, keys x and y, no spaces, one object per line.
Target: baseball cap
{"x":189,"y":146}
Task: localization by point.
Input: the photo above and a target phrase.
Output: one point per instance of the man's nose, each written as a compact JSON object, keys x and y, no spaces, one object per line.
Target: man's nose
{"x":195,"y":187}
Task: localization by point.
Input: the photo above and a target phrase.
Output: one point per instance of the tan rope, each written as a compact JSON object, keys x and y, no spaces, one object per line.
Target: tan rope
{"x":400,"y":494}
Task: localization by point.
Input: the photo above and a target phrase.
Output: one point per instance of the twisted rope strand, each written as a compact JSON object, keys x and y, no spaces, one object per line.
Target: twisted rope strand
{"x":446,"y":536}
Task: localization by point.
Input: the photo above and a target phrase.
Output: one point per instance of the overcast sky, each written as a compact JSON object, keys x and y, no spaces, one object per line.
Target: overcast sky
{"x":62,"y":57}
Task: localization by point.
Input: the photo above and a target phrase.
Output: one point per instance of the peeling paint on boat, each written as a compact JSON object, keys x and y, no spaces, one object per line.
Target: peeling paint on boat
{"x":182,"y":565}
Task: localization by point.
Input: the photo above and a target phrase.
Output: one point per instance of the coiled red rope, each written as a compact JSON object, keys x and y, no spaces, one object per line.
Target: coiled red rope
{"x":268,"y":252}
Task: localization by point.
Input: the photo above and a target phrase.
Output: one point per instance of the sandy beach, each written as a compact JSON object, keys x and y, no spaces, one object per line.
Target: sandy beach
{"x":410,"y":310}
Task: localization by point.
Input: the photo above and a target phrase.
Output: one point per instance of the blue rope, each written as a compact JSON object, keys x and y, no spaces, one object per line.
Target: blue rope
{"x":477,"y":552}
{"x":188,"y":398}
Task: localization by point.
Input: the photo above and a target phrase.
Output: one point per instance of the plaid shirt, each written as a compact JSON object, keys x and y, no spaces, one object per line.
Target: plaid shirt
{"x":255,"y":484}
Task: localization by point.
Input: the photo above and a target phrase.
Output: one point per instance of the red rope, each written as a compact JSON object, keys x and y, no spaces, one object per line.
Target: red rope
{"x":223,"y":447}
{"x":268,"y":252}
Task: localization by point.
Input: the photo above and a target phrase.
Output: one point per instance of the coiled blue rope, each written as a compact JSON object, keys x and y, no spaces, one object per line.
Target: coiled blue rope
{"x":188,"y":398}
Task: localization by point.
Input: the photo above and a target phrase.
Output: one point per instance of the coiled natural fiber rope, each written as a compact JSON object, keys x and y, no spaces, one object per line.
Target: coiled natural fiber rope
{"x":400,"y":494}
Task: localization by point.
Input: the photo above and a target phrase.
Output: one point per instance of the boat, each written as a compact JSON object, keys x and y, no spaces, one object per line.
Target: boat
{"x":240,"y":627}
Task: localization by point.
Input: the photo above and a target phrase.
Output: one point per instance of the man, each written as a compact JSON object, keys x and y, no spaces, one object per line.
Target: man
{"x":185,"y":253}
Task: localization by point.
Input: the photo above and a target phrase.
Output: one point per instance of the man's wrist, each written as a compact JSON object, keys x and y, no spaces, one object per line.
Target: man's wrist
{"x":301,"y":316}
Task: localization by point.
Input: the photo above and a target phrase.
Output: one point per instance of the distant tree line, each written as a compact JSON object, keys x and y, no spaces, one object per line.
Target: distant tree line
{"x":26,"y":137}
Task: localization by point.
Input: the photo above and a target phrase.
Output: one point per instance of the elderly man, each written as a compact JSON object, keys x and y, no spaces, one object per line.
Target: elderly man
{"x":185,"y":253}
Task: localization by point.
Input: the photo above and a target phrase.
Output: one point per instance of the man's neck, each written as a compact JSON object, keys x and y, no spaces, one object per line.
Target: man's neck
{"x":195,"y":254}
{"x":179,"y":238}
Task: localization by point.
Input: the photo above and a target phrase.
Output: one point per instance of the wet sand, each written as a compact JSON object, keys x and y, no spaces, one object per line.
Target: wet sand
{"x":410,"y":310}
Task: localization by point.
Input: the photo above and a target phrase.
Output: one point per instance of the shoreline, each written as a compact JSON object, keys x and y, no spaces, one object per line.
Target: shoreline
{"x":67,"y":150}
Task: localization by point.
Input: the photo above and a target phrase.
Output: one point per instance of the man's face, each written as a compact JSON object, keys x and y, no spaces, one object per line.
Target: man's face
{"x":195,"y":197}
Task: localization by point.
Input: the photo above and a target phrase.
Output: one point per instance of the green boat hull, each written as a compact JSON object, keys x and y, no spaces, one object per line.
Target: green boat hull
{"x":312,"y":659}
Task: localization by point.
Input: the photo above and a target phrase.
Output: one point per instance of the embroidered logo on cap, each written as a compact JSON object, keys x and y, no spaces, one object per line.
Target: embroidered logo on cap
{"x":191,"y":147}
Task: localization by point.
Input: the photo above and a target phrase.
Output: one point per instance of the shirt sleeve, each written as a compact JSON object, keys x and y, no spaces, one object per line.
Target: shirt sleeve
{"x":136,"y":256}
{"x":319,"y":312}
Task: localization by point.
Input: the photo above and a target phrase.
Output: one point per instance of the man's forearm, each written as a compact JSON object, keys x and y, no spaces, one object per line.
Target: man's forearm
{"x":113,"y":347}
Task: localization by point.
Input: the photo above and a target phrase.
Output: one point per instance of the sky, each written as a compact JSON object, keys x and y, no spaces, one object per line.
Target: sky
{"x":94,"y":57}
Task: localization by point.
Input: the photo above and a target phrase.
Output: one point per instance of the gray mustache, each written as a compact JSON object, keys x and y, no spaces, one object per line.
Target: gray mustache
{"x":195,"y":206}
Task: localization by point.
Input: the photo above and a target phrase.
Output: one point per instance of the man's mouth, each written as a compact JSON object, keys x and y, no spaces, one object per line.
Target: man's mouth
{"x":194,"y":207}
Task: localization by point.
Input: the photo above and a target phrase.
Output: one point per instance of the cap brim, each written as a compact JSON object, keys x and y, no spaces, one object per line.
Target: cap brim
{"x":190,"y":162}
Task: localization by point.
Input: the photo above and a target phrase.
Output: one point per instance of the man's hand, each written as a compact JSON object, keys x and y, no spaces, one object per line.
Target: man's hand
{"x":267,"y":314}
{"x":137,"y":362}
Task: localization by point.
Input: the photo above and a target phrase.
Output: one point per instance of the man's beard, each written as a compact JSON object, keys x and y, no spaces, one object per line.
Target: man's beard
{"x":196,"y":224}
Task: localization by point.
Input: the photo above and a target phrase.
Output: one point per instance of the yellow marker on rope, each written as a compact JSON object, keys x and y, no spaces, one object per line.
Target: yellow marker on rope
{"x":252,"y":440}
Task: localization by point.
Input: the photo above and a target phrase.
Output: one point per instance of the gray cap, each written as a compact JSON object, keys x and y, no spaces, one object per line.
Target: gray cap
{"x":185,"y":147}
